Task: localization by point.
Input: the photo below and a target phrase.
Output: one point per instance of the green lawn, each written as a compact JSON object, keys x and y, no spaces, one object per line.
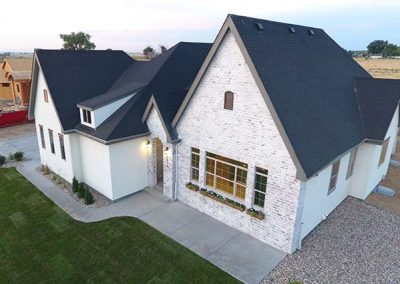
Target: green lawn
{"x":41,"y":243}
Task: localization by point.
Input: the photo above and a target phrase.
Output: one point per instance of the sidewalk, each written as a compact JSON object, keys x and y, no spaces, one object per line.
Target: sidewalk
{"x":240,"y":255}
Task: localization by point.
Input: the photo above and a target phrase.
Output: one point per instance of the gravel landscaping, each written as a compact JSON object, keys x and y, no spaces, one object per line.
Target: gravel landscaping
{"x":358,"y":243}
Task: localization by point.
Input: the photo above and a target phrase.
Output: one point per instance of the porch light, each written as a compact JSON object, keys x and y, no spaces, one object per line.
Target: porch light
{"x":147,"y":143}
{"x":166,"y":148}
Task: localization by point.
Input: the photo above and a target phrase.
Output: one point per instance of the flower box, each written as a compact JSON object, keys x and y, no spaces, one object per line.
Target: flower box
{"x":192,"y":186}
{"x":256,"y":214}
{"x":235,"y":205}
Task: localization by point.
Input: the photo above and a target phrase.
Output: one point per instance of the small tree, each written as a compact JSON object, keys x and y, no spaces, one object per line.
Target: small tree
{"x":391,"y":50}
{"x":77,"y":41}
{"x":88,"y":197}
{"x":75,"y":185}
{"x":163,"y":49}
{"x":149,"y":52}
{"x":81,"y":190}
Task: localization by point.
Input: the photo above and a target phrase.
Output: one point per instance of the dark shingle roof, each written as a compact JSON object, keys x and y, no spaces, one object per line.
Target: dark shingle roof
{"x":168,"y":86}
{"x":77,"y":75}
{"x":309,"y":80}
{"x":377,"y":99}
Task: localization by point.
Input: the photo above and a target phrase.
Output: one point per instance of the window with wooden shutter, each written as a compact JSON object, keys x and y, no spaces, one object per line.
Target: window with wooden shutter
{"x":228,"y":104}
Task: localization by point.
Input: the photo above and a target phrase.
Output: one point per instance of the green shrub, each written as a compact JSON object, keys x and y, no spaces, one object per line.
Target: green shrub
{"x":295,"y":281}
{"x":75,"y":185}
{"x":81,"y":190}
{"x":2,"y":160}
{"x":88,"y":197}
{"x":46,"y":170}
{"x":18,"y":156}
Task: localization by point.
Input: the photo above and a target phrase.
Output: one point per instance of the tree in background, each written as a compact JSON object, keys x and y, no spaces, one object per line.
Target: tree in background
{"x":77,"y":41}
{"x":391,"y":50}
{"x":163,"y":49}
{"x":149,"y":52}
{"x":377,"y":46}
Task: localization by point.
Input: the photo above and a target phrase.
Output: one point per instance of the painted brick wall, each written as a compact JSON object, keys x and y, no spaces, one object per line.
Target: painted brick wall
{"x":157,"y":131}
{"x":247,"y":134}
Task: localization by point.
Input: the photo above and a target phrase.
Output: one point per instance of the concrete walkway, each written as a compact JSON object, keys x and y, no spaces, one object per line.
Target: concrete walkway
{"x":242,"y":256}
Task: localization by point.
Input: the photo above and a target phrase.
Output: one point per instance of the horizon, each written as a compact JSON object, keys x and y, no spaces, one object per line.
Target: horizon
{"x":132,"y":26}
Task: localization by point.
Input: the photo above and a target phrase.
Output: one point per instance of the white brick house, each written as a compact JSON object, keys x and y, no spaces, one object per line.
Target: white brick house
{"x":272,"y":117}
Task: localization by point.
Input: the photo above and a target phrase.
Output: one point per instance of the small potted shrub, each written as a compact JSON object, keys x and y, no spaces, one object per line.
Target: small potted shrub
{"x":192,"y":186}
{"x":2,"y":160}
{"x":18,"y":156}
{"x":256,"y":214}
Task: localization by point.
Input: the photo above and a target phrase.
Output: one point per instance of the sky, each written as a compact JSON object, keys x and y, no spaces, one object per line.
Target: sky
{"x":133,"y":25}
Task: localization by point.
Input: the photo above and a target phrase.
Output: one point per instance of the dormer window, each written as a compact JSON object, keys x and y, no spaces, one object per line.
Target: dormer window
{"x":87,"y":116}
{"x":45,"y":96}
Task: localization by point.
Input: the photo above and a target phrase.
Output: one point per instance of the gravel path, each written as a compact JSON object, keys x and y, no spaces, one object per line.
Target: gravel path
{"x":358,"y":243}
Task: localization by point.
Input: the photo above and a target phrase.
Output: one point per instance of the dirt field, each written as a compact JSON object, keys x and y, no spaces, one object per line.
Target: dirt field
{"x":381,"y":68}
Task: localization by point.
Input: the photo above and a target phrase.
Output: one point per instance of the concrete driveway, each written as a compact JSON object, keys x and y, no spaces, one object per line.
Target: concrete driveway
{"x":242,"y":256}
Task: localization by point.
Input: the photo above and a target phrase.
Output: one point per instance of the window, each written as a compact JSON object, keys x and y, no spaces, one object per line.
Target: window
{"x":5,"y":84}
{"x":226,"y":175}
{"x":351,"y":163}
{"x":87,"y":116}
{"x":62,"y":147}
{"x":260,"y":187}
{"x":45,"y":96}
{"x":51,"y":141}
{"x":17,"y":85}
{"x":383,"y":151}
{"x":194,"y":169}
{"x":334,"y":176}
{"x":228,"y":102}
{"x":42,"y":136}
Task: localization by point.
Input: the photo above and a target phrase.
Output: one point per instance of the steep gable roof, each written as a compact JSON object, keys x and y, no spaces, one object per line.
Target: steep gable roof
{"x":377,"y":100}
{"x":76,"y":75}
{"x":175,"y":73}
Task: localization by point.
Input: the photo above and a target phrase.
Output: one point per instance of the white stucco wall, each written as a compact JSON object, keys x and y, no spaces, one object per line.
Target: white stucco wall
{"x":366,"y":176}
{"x":247,"y":134}
{"x":368,"y":164}
{"x":317,"y":203}
{"x":95,"y":166}
{"x":128,"y":162}
{"x":46,"y":115}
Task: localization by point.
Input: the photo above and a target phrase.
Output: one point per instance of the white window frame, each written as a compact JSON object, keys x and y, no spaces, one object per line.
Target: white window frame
{"x":194,"y":153}
{"x":334,"y":176}
{"x":352,"y":161}
{"x":62,"y":146}
{"x":214,"y":188}
{"x":257,"y":172}
{"x":51,"y":139}
{"x":85,"y":114}
{"x":42,"y":139}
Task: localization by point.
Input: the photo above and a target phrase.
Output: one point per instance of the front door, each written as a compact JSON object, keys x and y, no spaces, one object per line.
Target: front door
{"x":159,"y":161}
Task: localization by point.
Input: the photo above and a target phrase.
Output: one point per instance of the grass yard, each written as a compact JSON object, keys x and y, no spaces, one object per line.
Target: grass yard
{"x":381,"y":68}
{"x":41,"y":243}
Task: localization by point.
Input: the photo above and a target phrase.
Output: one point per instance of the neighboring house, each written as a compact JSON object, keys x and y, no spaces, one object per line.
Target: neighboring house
{"x":376,"y":56}
{"x":276,"y":117}
{"x":6,"y":94}
{"x":17,"y":71}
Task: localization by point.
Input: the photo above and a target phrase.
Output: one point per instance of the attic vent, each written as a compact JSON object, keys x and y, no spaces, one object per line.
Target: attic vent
{"x":259,"y":27}
{"x":292,"y":30}
{"x":311,"y":32}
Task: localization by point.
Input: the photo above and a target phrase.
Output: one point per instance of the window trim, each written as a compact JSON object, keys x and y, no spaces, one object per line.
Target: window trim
{"x":41,"y":134}
{"x":87,"y":117}
{"x":235,"y":182}
{"x":334,"y":176}
{"x":382,"y":157}
{"x":229,"y":97}
{"x":194,"y":152}
{"x":51,"y":139}
{"x":45,"y":96}
{"x":258,"y":172}
{"x":352,"y":161}
{"x":62,"y":146}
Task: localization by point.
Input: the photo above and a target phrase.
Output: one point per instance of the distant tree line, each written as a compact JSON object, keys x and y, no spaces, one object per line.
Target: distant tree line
{"x":151,"y":53}
{"x":383,"y":47}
